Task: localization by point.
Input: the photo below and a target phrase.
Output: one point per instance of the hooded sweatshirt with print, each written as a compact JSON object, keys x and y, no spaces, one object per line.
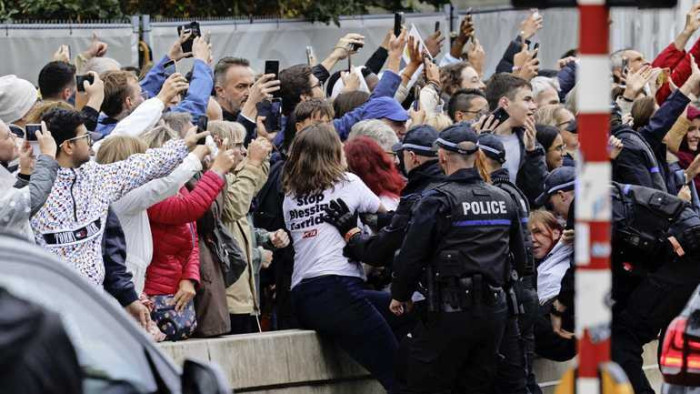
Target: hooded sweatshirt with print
{"x":71,"y":223}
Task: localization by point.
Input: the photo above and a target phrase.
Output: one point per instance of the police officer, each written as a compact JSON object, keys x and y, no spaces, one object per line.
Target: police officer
{"x":461,"y":235}
{"x":418,"y":161}
{"x":515,"y":372}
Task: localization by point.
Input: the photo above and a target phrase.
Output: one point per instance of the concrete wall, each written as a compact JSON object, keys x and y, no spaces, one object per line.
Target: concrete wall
{"x":296,"y":362}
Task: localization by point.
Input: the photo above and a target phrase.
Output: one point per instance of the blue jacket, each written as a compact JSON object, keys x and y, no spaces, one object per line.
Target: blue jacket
{"x":195,"y":102}
{"x":386,"y":87}
{"x":567,"y":80}
{"x":155,"y":78}
{"x":197,"y":98}
{"x":117,"y":281}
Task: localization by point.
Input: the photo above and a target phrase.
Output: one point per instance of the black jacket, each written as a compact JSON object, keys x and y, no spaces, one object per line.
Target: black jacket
{"x":532,"y":169}
{"x":635,"y":165}
{"x":118,"y":281}
{"x":501,"y":179}
{"x":378,"y":249}
{"x":432,"y":223}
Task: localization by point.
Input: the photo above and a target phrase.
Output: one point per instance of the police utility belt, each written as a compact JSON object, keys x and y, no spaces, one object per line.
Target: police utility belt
{"x":457,"y":291}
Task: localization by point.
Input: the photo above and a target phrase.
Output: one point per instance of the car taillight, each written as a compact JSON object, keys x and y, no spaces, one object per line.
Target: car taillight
{"x":680,"y":355}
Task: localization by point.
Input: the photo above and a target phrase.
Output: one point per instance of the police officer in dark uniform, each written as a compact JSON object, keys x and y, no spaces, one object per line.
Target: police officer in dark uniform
{"x":461,"y":237}
{"x":515,"y":372}
{"x":418,"y":161}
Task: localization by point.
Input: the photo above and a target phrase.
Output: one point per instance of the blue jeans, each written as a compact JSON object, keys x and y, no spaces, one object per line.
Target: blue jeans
{"x":338,"y":308}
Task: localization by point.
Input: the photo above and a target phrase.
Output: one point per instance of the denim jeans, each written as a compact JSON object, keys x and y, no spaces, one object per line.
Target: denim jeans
{"x":338,"y":308}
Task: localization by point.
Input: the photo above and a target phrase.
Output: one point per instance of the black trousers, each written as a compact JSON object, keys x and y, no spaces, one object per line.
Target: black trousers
{"x":455,"y":352}
{"x":517,"y":352}
{"x":643,"y":308}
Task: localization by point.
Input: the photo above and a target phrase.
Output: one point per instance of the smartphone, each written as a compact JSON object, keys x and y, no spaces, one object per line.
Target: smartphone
{"x":273,"y":67}
{"x":30,"y":131}
{"x":70,"y":53}
{"x":79,"y":79}
{"x":202,"y":124}
{"x":309,"y":54}
{"x":437,"y":26}
{"x":190,"y":27}
{"x":398,"y":21}
{"x":500,"y":114}
{"x":536,"y":49}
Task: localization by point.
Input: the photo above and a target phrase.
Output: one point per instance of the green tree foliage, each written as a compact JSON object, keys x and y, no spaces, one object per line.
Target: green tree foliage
{"x":325,"y":11}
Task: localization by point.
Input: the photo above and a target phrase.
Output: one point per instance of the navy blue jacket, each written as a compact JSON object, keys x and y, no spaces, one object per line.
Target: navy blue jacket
{"x":117,"y":281}
{"x":634,"y":165}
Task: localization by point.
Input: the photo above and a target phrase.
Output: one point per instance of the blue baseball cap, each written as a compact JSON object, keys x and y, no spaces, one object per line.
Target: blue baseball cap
{"x":451,"y":137}
{"x":419,"y":139}
{"x":562,"y":178}
{"x":492,"y":147}
{"x":385,"y":107}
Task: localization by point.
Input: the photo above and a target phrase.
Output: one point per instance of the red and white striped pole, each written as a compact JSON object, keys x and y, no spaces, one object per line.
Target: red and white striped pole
{"x":593,"y":205}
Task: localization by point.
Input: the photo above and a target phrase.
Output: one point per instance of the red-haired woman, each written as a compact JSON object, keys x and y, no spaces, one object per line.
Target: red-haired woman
{"x":366,"y":159}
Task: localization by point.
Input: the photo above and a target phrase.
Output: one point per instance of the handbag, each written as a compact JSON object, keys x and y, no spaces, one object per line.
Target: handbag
{"x":227,"y":253}
{"x":176,"y":325}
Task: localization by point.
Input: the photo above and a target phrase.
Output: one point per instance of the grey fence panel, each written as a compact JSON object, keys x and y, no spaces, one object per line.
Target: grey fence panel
{"x":26,"y":48}
{"x":286,"y":40}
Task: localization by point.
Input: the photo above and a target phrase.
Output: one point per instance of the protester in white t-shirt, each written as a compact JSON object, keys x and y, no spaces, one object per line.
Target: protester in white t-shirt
{"x":328,"y":291}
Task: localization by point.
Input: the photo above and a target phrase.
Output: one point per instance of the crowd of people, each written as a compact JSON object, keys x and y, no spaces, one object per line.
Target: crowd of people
{"x":419,"y":214}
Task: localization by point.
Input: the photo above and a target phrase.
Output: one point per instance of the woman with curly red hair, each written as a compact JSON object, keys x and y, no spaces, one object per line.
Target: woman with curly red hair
{"x":366,"y":159}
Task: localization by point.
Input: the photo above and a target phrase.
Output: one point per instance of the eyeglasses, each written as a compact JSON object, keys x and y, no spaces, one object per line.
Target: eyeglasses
{"x":318,"y":85}
{"x":86,"y":135}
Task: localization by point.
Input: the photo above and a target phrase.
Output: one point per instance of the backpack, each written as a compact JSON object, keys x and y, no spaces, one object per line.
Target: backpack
{"x":642,"y":222}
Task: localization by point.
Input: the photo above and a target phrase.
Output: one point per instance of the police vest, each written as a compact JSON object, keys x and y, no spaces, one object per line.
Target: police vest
{"x":524,"y":213}
{"x":655,"y":170}
{"x":476,"y":237}
{"x":651,"y":228}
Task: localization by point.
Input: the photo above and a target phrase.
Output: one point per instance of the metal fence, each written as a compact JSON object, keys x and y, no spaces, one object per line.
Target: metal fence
{"x":28,"y":46}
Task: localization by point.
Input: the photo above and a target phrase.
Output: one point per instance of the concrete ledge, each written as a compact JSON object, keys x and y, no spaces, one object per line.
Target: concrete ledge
{"x":297,"y":361}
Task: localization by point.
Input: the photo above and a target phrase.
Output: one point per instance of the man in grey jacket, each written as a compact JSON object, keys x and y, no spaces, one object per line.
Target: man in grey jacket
{"x":17,"y":201}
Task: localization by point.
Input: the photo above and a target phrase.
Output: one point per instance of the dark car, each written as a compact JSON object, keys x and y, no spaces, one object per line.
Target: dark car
{"x":112,"y":350}
{"x":680,"y":354}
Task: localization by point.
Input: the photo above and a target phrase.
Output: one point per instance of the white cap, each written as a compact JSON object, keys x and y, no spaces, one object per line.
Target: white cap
{"x":17,"y":96}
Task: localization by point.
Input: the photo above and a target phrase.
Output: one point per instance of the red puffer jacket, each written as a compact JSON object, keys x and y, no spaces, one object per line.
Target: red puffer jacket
{"x":175,"y":242}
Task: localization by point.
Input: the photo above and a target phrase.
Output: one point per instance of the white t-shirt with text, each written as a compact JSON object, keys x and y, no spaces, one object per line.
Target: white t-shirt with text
{"x":318,"y":246}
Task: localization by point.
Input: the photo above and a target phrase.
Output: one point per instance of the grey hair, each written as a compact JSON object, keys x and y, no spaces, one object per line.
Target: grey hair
{"x":177,"y":121}
{"x":540,"y":84}
{"x":159,"y":135}
{"x":100,"y":65}
{"x":376,"y":130}
{"x":616,"y":58}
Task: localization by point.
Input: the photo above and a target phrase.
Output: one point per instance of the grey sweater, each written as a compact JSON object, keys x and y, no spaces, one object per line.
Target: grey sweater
{"x":40,"y":183}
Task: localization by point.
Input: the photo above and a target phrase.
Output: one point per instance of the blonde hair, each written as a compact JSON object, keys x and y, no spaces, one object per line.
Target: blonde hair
{"x":550,"y":115}
{"x":222,"y":130}
{"x":42,"y":107}
{"x":119,"y":148}
{"x":438,"y":121}
{"x":159,"y":135}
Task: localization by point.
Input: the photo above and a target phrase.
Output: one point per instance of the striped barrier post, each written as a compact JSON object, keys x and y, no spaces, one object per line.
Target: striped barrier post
{"x":593,"y":204}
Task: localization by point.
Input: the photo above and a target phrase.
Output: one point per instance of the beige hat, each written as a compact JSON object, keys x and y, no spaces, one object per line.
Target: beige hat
{"x":17,"y":96}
